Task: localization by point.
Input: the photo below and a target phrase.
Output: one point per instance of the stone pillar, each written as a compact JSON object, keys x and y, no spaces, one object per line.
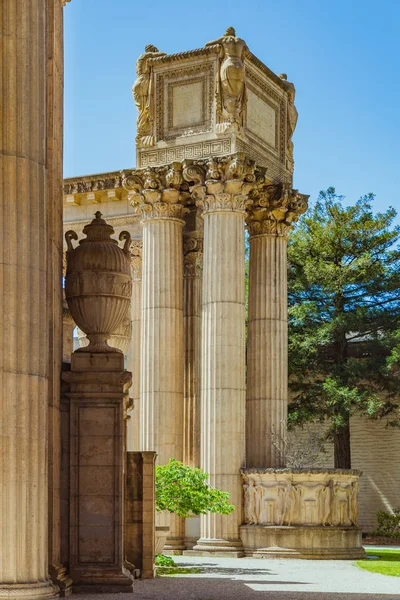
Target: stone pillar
{"x":267,"y":360}
{"x":98,"y":395}
{"x":24,"y":307}
{"x":223,"y":349}
{"x":161,"y":383}
{"x":192,"y":282}
{"x":134,"y":424}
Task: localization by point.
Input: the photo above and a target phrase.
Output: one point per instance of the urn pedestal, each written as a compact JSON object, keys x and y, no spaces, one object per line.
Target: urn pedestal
{"x":301,"y":513}
{"x":98,"y":397}
{"x":98,"y":292}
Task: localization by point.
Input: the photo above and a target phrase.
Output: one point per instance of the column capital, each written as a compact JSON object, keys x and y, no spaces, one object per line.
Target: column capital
{"x":275,"y":209}
{"x":226,"y":183}
{"x":157,"y":192}
{"x":136,"y":259}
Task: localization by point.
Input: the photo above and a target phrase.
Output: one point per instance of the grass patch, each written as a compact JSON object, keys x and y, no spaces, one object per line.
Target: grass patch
{"x":387,"y":563}
{"x":162,"y":571}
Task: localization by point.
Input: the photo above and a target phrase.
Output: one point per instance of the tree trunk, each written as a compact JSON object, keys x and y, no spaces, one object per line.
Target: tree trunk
{"x":342,"y":452}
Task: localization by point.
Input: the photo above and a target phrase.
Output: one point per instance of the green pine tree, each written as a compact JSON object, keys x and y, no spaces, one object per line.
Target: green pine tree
{"x":344,"y":316}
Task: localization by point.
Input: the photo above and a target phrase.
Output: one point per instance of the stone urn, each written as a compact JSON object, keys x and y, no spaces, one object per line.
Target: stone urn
{"x":98,"y":283}
{"x":120,"y":338}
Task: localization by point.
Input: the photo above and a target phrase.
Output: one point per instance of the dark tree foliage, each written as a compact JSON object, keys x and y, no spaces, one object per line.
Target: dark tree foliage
{"x":344,"y":316}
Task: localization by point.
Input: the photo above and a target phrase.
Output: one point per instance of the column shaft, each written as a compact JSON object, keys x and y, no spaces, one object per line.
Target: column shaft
{"x":266,"y":407}
{"x":134,"y":423}
{"x":192,"y":331}
{"x":24,"y":317}
{"x":223,"y":373}
{"x":161,"y":380}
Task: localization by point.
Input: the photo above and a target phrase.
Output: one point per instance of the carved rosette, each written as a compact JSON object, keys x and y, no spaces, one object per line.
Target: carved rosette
{"x":98,"y":283}
{"x":275,"y":209}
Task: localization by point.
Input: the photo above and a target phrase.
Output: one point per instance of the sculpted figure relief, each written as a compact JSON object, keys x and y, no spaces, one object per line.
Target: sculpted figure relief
{"x":328,"y":503}
{"x":292,"y":116}
{"x":142,"y":95}
{"x":231,"y":95}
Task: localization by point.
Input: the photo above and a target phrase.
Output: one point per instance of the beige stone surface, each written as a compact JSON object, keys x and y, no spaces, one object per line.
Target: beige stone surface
{"x":192,"y":293}
{"x":134,"y":423}
{"x":27,"y":259}
{"x":270,"y":219}
{"x":98,"y":397}
{"x":303,"y":513}
{"x":161,"y":382}
{"x":140,"y":512}
{"x":213,"y":101}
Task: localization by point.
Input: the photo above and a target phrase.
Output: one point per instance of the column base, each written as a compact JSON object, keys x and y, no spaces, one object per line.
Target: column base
{"x":174,"y":546}
{"x":215,"y":547}
{"x":42,"y":590}
{"x":61,"y":578}
{"x":101,"y":582}
{"x":302,"y":541}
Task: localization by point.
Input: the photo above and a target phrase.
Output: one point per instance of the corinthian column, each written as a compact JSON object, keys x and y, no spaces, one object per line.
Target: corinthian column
{"x":27,"y":261}
{"x":134,"y":426}
{"x":161,"y":205}
{"x":192,"y":280}
{"x":271,"y":218}
{"x":222,"y":445}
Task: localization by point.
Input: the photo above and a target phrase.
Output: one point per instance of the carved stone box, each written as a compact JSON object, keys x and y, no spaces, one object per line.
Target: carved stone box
{"x":213,"y":101}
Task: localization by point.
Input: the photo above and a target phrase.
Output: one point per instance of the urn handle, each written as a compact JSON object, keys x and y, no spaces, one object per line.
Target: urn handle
{"x":70,"y":235}
{"x":125,"y":235}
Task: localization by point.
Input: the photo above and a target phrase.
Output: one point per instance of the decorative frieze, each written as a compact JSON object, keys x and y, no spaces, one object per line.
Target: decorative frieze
{"x":300,"y":497}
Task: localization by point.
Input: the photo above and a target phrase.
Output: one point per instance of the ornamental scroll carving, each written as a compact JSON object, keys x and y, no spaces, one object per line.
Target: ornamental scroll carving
{"x":192,"y":256}
{"x":142,"y":91}
{"x":275,"y":209}
{"x":231,"y":89}
{"x":136,"y":259}
{"x":322,"y":499}
{"x":158,"y":193}
{"x":231,"y":183}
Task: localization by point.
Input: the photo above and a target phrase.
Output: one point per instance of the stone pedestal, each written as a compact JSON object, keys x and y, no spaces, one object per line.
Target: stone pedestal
{"x":301,"y":513}
{"x":98,"y":387}
{"x":267,"y":354}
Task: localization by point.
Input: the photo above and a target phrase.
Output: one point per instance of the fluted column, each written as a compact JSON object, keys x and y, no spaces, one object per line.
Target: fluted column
{"x":223,"y":353}
{"x":192,"y":282}
{"x":134,"y":424}
{"x":267,"y":358}
{"x":161,"y":359}
{"x":24,"y":319}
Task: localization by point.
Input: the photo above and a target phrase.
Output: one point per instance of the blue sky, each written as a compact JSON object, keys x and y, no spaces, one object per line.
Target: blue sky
{"x":342,"y":55}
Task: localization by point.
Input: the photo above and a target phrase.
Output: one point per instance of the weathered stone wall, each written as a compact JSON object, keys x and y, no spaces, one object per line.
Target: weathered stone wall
{"x":374,"y":450}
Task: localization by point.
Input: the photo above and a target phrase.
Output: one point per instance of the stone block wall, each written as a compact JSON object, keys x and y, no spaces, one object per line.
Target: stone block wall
{"x":374,"y":451}
{"x":140,"y":512}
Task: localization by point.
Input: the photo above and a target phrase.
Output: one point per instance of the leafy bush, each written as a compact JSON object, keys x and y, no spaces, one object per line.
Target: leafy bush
{"x":184,"y":491}
{"x":388,"y":524}
{"x":164,"y":561}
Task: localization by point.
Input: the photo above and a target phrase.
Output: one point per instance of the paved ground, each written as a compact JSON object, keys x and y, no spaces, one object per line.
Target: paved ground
{"x":272,"y":579}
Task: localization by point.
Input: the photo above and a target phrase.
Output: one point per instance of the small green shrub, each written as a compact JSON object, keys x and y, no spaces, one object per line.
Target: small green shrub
{"x":164,"y":561}
{"x":184,"y":491}
{"x":388,"y":524}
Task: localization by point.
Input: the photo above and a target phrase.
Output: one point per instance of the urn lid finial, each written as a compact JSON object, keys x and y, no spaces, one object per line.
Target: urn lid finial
{"x":98,"y":231}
